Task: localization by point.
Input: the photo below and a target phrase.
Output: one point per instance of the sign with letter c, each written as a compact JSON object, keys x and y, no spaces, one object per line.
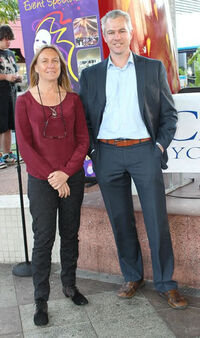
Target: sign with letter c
{"x":184,"y":150}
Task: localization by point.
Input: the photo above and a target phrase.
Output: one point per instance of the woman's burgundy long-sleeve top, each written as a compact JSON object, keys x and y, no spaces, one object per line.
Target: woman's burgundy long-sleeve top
{"x":44,"y":155}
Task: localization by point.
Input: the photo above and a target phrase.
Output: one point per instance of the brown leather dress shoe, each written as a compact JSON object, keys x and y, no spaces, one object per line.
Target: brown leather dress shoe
{"x":129,"y":289}
{"x":174,"y":299}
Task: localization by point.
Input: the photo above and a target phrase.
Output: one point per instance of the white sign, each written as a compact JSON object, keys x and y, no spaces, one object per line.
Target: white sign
{"x":184,"y":150}
{"x":187,"y":29}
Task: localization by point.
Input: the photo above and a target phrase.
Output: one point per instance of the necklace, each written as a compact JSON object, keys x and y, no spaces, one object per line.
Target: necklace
{"x":55,"y":117}
{"x":54,"y":113}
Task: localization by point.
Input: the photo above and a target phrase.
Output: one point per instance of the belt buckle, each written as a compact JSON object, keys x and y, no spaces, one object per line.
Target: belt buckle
{"x":125,"y":142}
{"x":116,"y":142}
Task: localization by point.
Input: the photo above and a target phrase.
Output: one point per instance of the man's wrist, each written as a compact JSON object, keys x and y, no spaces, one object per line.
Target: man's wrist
{"x":160,"y":146}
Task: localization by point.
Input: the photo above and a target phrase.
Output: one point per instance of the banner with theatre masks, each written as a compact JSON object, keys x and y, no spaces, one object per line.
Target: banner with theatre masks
{"x":72,"y":25}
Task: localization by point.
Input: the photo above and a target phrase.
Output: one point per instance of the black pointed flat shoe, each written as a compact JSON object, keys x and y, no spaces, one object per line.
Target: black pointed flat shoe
{"x":73,"y":293}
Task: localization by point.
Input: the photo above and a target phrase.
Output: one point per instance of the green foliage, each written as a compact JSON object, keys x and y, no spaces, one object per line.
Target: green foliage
{"x":182,"y":71}
{"x":16,"y":56}
{"x":9,"y":10}
{"x":196,"y":60}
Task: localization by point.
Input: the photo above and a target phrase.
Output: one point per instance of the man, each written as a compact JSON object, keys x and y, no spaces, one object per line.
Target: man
{"x":132,"y":120}
{"x":8,"y":78}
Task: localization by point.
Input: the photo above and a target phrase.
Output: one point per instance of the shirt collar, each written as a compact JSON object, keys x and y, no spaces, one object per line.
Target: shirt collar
{"x":130,"y":60}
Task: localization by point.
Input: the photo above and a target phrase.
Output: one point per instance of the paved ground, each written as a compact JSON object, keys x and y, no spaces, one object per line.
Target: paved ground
{"x":145,"y":315}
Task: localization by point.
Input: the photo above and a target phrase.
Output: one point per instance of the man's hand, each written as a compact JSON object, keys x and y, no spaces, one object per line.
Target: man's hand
{"x":18,"y":79}
{"x":11,"y":77}
{"x":57,"y":178}
{"x":64,"y":190}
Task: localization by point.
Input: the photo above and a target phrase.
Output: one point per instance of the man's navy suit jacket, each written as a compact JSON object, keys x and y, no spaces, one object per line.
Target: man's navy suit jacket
{"x":155,"y":100}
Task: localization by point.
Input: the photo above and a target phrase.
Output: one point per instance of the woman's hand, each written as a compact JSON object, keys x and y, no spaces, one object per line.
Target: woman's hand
{"x":57,"y":178}
{"x":64,"y":190}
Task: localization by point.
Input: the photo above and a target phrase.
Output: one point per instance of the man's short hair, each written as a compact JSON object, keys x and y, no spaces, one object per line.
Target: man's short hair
{"x":116,"y":13}
{"x":6,"y":32}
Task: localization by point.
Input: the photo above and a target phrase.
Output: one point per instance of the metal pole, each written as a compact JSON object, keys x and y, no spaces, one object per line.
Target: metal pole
{"x":22,"y":269}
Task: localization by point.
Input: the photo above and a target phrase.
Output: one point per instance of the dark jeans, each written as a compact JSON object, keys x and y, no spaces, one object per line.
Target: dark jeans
{"x":44,"y":204}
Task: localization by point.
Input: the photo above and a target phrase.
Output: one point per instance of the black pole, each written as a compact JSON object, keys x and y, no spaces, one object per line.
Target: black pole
{"x":22,"y":269}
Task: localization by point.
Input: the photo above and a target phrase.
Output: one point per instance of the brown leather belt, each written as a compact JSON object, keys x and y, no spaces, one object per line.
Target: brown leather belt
{"x":125,"y":142}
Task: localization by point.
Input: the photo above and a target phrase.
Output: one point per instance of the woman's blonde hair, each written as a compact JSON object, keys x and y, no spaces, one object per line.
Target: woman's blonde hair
{"x":63,"y":79}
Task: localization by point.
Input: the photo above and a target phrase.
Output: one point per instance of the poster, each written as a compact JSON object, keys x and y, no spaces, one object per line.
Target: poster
{"x":153,"y":35}
{"x":72,"y":25}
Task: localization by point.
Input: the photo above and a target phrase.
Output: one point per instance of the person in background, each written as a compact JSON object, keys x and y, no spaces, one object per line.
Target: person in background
{"x":53,"y":139}
{"x":132,"y":120}
{"x":8,"y":79}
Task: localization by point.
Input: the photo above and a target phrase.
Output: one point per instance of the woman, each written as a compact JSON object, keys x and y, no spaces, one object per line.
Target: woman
{"x":53,"y":138}
{"x":8,"y":78}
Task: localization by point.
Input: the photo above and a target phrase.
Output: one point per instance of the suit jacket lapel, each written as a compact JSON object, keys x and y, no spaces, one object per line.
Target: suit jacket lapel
{"x":101,"y":89}
{"x":140,"y":76}
{"x":101,"y":81}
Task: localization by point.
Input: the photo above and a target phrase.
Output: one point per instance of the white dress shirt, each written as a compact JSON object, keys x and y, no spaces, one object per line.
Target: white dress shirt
{"x":122,"y":117}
